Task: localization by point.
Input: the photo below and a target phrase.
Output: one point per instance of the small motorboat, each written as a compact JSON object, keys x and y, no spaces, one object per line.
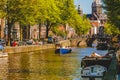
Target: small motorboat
{"x":63,"y":50}
{"x":2,"y":54}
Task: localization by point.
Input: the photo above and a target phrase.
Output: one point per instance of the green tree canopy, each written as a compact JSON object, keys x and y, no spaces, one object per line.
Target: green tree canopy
{"x":69,"y":15}
{"x":22,"y":11}
{"x":48,"y":12}
{"x":111,"y":29}
{"x":3,"y":8}
{"x":112,"y":8}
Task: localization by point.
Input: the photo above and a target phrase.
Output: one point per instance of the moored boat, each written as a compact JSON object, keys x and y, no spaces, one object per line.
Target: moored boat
{"x":95,"y":66}
{"x":63,"y":50}
{"x":94,"y":71}
{"x":102,"y":46}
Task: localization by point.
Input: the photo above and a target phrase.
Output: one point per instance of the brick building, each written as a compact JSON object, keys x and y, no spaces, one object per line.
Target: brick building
{"x":97,"y":18}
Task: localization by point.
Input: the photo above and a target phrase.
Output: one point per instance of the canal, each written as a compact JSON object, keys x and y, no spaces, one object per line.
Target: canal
{"x":44,"y":65}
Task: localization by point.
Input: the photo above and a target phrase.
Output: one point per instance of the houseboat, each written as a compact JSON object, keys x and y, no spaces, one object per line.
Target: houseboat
{"x":95,"y":66}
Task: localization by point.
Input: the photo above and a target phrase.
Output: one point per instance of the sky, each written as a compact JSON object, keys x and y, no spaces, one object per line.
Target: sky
{"x":85,"y":5}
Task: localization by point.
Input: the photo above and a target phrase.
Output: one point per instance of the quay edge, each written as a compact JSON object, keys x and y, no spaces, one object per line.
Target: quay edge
{"x":28,"y":48}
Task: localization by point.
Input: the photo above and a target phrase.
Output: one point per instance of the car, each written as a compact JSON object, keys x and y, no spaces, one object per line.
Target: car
{"x":3,"y":41}
{"x":29,"y":42}
{"x":21,"y":43}
{"x":50,"y":40}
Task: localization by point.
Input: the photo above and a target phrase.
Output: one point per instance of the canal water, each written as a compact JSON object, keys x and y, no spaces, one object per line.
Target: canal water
{"x":44,"y":65}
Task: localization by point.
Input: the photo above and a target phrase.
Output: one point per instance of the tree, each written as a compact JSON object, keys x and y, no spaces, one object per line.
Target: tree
{"x":82,"y":25}
{"x":48,"y":12}
{"x":58,"y":32}
{"x":51,"y":15}
{"x":22,"y":11}
{"x":3,"y":8}
{"x":70,"y":16}
{"x":112,"y":8}
{"x":111,"y":29}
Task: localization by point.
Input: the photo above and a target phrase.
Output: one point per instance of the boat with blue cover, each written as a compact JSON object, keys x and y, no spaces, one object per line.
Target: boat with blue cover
{"x":59,"y":49}
{"x":63,"y":50}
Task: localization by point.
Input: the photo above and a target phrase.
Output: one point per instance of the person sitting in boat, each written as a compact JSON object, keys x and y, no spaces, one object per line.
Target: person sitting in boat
{"x":95,"y":55}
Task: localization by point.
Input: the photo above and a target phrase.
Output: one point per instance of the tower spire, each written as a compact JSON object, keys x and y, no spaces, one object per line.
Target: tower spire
{"x":79,"y":10}
{"x":97,"y":7}
{"x":97,"y":1}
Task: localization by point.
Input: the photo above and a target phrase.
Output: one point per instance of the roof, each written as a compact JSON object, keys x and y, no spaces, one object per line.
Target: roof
{"x":91,"y":17}
{"x":95,"y":23}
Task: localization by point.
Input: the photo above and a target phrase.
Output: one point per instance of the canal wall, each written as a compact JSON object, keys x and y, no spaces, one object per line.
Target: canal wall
{"x":65,"y":43}
{"x":30,"y":48}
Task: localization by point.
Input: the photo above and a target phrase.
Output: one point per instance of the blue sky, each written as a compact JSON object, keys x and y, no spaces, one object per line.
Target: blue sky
{"x":85,"y":5}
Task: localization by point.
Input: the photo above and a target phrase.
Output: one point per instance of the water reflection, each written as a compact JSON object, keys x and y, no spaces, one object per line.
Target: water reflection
{"x":44,"y":65}
{"x":3,"y":68}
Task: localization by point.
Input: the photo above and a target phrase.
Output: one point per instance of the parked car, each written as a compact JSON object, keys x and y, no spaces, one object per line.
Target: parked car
{"x":29,"y":42}
{"x":3,"y":41}
{"x":21,"y":43}
{"x":50,"y":40}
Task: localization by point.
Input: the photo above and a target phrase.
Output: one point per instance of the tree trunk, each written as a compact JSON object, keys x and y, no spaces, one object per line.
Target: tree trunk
{"x":9,"y":33}
{"x":48,"y":26}
{"x":40,"y":25}
{"x":28,"y":32}
{"x":21,"y":36}
{"x":47,"y":31}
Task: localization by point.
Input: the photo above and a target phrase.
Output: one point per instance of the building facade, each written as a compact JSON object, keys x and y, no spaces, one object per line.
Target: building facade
{"x":2,"y":29}
{"x":97,"y":18}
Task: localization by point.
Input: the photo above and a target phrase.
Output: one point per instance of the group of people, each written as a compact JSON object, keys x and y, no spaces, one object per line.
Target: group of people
{"x":95,"y":55}
{"x":14,"y":43}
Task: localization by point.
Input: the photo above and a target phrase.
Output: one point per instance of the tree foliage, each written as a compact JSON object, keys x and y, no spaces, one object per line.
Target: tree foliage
{"x":112,"y":8}
{"x":3,"y":8}
{"x":58,"y":32}
{"x":22,"y":11}
{"x":83,"y":25}
{"x":111,"y":29}
{"x":48,"y":12}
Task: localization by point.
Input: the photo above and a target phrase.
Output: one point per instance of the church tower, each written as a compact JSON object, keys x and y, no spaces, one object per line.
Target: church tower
{"x":80,"y":12}
{"x":97,"y":8}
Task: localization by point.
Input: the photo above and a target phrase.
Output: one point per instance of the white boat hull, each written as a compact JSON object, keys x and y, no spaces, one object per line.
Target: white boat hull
{"x":94,"y":71}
